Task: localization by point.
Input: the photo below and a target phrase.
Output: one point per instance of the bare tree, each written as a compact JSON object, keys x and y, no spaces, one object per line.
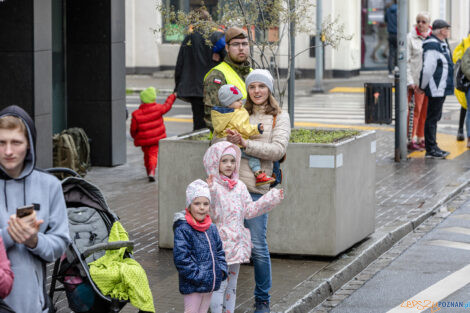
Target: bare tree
{"x":267,"y":23}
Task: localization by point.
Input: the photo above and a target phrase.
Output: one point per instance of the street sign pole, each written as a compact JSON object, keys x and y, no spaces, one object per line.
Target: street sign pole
{"x":291,"y":86}
{"x":401,"y":92}
{"x":318,"y":88}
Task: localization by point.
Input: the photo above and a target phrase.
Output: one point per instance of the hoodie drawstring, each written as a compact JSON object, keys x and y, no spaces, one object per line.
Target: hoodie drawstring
{"x":5,"y":193}
{"x":24,"y":191}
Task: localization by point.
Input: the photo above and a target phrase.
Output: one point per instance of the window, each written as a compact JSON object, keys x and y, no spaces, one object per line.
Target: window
{"x":174,"y":32}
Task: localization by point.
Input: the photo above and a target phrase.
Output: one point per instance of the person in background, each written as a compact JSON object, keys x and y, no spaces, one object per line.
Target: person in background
{"x":147,"y":127}
{"x":437,"y":81}
{"x":233,"y":70}
{"x":414,"y":58}
{"x":195,"y":58}
{"x":391,"y":21}
{"x":456,"y":56}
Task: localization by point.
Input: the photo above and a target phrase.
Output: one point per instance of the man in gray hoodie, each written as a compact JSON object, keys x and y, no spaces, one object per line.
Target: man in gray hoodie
{"x":40,"y":237}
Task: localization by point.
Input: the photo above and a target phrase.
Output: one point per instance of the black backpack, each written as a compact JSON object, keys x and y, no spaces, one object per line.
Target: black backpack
{"x":461,"y":82}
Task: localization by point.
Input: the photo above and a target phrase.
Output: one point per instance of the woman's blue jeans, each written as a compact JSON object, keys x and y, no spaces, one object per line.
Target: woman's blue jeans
{"x":260,"y":254}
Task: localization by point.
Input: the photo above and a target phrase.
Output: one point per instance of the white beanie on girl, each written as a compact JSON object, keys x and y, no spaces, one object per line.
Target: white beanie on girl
{"x":197,"y":188}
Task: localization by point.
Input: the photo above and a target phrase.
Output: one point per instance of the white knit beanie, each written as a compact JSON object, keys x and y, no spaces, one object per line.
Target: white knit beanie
{"x":197,"y":188}
{"x":260,"y":76}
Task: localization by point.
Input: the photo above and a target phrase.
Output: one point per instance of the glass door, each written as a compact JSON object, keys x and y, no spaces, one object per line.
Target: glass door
{"x":374,"y":36}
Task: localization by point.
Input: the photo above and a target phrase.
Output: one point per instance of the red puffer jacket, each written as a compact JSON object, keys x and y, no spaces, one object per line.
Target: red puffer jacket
{"x":147,"y":126}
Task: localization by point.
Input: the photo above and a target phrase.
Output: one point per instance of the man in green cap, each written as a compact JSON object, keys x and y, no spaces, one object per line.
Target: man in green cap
{"x":147,"y":127}
{"x":233,"y":70}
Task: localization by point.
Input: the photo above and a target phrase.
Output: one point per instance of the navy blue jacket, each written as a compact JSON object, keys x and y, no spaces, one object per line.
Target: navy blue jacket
{"x":391,"y":19}
{"x":437,"y":73}
{"x":197,"y":256}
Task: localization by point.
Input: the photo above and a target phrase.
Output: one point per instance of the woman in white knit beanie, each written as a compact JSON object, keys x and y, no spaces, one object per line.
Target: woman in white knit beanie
{"x":269,"y":147}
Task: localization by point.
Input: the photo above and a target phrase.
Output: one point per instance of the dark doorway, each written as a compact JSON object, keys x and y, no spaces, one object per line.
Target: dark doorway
{"x":59,"y":86}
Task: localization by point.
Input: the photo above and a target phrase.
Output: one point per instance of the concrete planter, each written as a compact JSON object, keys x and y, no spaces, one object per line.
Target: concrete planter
{"x":330,"y":193}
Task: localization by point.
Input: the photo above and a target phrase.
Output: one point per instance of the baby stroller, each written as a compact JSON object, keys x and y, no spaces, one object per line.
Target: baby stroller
{"x":90,"y":222}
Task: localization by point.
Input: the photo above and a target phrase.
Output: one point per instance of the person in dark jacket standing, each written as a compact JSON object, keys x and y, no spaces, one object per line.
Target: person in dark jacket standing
{"x":195,"y":59}
{"x":147,"y":127}
{"x":391,"y":21}
{"x":233,"y":70}
{"x":436,"y":80}
{"x":197,"y":252}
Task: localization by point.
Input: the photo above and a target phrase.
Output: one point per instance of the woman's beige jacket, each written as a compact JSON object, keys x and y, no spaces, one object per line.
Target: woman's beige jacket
{"x":268,"y":147}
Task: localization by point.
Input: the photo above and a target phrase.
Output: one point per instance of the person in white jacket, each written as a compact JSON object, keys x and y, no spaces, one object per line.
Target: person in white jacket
{"x":414,"y":58}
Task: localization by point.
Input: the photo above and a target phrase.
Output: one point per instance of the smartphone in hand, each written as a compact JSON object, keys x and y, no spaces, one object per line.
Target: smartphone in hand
{"x":24,"y":211}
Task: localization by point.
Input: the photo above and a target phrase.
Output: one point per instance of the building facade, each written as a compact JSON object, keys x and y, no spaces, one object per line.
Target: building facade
{"x":148,"y":52}
{"x":63,"y":61}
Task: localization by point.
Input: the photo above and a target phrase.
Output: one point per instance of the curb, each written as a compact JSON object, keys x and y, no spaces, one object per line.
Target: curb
{"x":168,"y":91}
{"x":160,"y":92}
{"x":330,"y":285}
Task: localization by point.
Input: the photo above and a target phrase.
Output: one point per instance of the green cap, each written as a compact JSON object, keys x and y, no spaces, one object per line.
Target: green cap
{"x":148,"y":95}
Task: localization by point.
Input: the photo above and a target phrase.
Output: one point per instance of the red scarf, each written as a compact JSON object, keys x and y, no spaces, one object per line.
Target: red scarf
{"x":199,"y":226}
{"x":423,"y":35}
{"x":231,"y":182}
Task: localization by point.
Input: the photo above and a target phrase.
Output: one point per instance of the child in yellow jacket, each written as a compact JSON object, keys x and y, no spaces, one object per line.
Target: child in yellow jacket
{"x":232,"y":115}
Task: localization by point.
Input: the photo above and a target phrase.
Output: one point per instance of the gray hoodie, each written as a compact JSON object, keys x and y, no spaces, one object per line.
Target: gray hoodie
{"x":33,"y":186}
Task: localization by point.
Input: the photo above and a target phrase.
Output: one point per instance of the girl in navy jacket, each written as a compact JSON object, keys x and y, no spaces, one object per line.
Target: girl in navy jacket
{"x":198,"y":253}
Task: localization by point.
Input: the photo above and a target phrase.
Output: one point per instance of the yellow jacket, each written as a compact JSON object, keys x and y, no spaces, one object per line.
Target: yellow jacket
{"x":236,"y":119}
{"x":457,"y":55}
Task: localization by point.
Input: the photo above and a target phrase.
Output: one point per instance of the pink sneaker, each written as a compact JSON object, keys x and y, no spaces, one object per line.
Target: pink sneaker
{"x":412,"y":146}
{"x":422,"y":145}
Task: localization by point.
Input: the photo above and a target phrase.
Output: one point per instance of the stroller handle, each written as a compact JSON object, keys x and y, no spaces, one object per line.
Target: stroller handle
{"x":115,"y":245}
{"x":62,"y":170}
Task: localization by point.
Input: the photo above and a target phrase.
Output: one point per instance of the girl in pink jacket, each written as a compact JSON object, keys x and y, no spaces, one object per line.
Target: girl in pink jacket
{"x":231,"y":203}
{"x":6,"y":274}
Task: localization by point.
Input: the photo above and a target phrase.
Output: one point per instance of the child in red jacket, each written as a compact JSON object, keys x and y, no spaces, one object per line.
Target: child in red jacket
{"x":147,"y":127}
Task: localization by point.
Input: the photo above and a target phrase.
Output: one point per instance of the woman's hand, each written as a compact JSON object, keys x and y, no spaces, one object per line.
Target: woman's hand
{"x":281,"y":193}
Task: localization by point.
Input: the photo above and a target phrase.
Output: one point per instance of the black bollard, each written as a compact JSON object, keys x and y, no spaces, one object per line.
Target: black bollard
{"x":397,"y":116}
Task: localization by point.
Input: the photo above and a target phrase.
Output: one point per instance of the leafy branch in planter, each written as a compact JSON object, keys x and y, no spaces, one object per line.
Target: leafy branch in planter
{"x":267,"y":23}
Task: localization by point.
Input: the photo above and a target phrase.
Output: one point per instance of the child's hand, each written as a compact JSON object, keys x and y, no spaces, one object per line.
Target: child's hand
{"x":215,"y":57}
{"x":210,"y":180}
{"x":281,"y":193}
{"x":261,"y":127}
{"x":176,"y":95}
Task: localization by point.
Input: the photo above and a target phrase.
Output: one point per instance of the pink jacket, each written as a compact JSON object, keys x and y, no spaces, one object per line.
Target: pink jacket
{"x":230,"y":207}
{"x":6,"y":274}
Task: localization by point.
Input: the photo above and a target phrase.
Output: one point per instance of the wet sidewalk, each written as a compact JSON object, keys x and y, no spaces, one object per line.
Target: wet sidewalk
{"x":406,"y":194}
